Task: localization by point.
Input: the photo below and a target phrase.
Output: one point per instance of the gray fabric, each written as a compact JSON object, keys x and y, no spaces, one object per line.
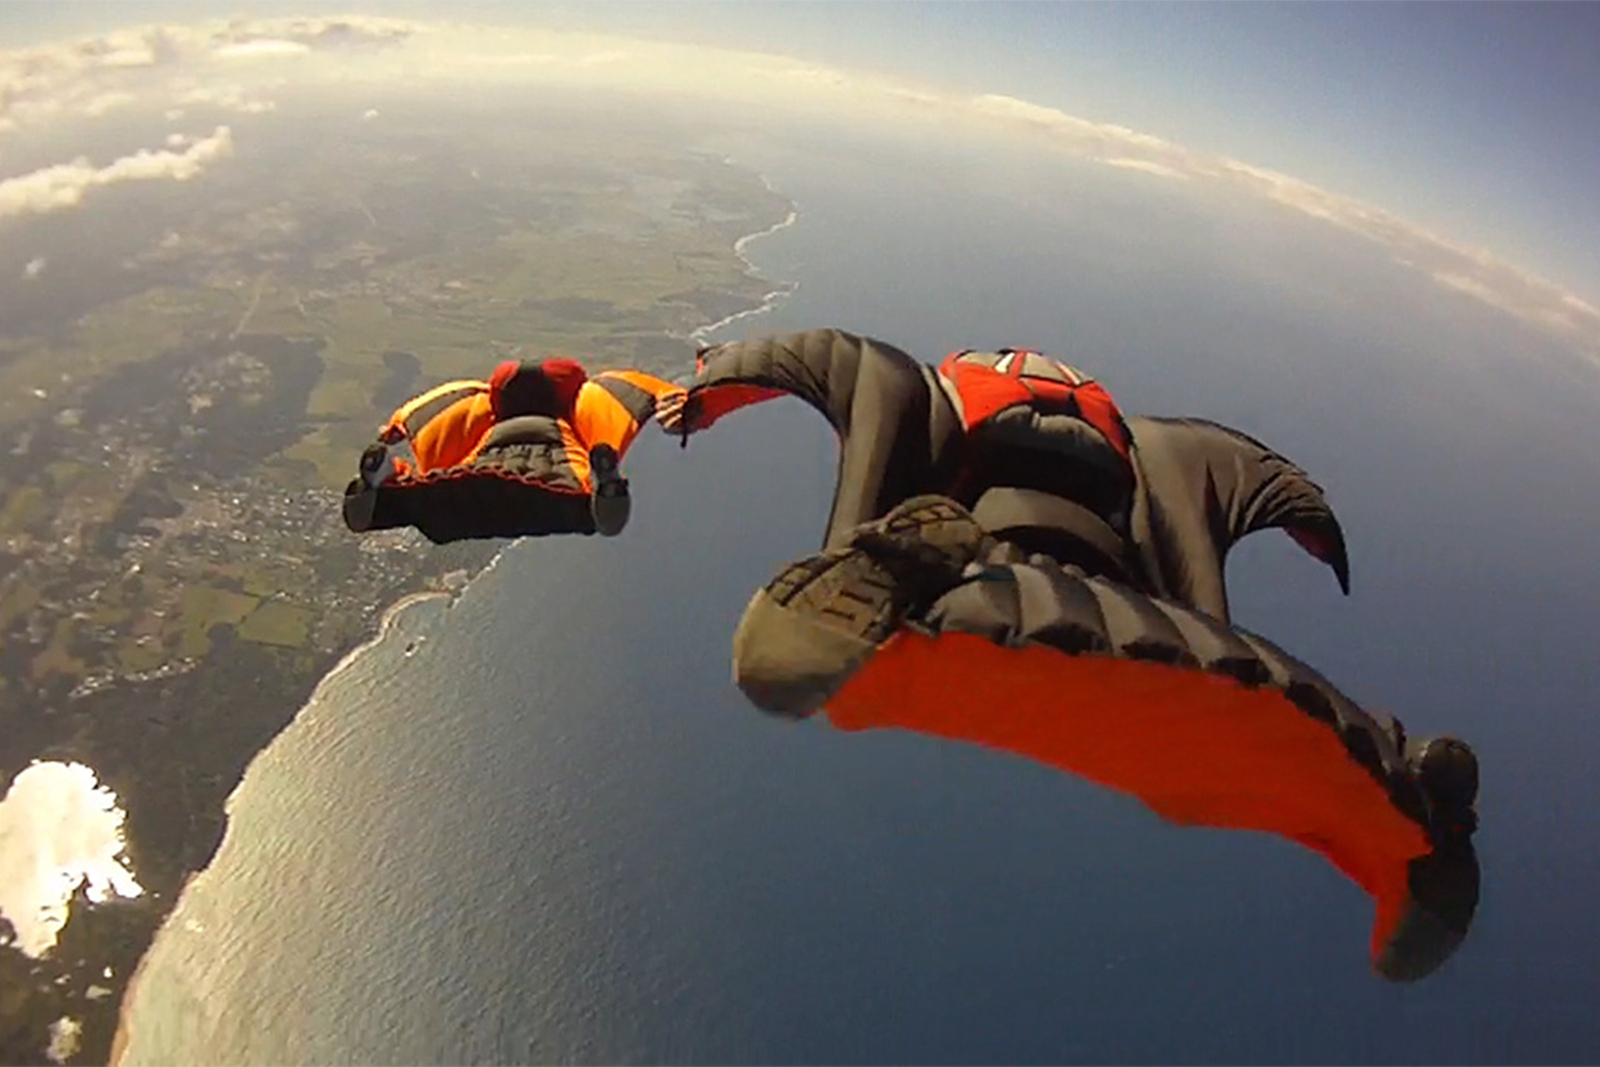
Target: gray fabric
{"x":1063,"y":435}
{"x":875,"y":397}
{"x":1199,"y":487}
{"x":1036,"y":520}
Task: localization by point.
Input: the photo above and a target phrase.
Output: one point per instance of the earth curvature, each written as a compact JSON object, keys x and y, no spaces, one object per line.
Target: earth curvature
{"x":279,"y":793}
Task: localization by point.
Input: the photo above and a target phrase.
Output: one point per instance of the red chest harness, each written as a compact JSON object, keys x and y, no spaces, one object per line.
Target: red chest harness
{"x":983,"y":384}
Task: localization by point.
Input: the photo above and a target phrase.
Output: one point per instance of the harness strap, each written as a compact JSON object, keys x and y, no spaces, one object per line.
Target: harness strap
{"x":1008,"y":512}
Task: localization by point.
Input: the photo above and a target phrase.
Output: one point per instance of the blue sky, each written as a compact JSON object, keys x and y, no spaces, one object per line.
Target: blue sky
{"x":1474,"y":119}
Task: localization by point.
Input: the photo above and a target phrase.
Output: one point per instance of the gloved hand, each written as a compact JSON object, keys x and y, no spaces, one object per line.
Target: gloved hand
{"x":378,"y":466}
{"x":671,"y":411}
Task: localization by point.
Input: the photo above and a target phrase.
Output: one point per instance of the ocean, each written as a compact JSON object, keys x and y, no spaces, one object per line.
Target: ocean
{"x":537,"y":822}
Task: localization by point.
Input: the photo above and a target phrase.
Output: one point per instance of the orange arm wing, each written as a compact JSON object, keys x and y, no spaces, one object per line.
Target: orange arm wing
{"x":445,"y":425}
{"x":615,"y":405}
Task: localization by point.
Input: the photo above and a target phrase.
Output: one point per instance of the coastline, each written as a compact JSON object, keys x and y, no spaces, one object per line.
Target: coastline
{"x":385,"y":627}
{"x":774,"y":297}
{"x":390,"y":615}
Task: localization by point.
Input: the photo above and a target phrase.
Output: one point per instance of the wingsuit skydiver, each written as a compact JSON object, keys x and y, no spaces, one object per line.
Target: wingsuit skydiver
{"x":1012,"y":562}
{"x":534,"y":450}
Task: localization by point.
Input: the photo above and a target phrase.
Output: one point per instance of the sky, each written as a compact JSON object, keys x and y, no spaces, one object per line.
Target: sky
{"x":1472,"y":120}
{"x":1476,"y":119}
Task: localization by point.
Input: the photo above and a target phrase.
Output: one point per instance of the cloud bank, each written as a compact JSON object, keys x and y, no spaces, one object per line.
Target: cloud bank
{"x":1473,"y":272}
{"x":88,"y":77}
{"x":65,"y":184}
{"x":205,"y":65}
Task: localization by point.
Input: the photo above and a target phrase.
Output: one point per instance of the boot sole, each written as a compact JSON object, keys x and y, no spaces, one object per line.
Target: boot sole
{"x":818,"y":621}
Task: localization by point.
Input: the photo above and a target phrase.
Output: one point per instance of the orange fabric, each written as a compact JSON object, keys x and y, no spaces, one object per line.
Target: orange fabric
{"x":454,"y":435}
{"x":1197,"y":748}
{"x":656,"y":387}
{"x":457,"y":432}
{"x":714,"y":401}
{"x":577,"y":454}
{"x":599,"y":418}
{"x":395,"y":429}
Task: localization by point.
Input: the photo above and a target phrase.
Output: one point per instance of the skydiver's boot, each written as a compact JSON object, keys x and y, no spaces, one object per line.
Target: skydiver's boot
{"x":811,"y":627}
{"x":1447,"y":771}
{"x":609,"y":501}
{"x":1442,"y":886}
{"x":361,"y":495}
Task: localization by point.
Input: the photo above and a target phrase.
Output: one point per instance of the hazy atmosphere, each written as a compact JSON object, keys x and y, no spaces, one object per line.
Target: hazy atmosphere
{"x":277,"y":792}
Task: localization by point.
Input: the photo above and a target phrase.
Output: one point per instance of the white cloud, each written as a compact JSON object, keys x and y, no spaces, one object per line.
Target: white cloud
{"x":263,"y":47}
{"x":86,"y":77}
{"x":1474,"y":272}
{"x":584,"y":60}
{"x":514,"y":59}
{"x":1147,"y":166}
{"x":34,"y":268}
{"x":605,"y":58}
{"x":1580,"y":306}
{"x":1011,"y":107}
{"x":914,"y":96}
{"x":98,"y":105}
{"x":228,"y":96}
{"x":1068,"y":126}
{"x":815,"y":76}
{"x":136,"y":56}
{"x":64,"y":185}
{"x":1463,"y":284}
{"x":369,"y":114}
{"x":59,"y":829}
{"x":42,"y":83}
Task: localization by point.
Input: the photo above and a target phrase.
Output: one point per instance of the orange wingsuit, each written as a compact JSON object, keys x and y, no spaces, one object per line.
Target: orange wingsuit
{"x":449,"y":425}
{"x":533,"y":451}
{"x":1197,"y":748}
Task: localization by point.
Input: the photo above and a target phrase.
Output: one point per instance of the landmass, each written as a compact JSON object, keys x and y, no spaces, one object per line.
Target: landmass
{"x":186,"y":378}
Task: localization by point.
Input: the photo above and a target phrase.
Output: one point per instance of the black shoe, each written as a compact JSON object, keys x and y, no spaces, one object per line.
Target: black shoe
{"x":1441,"y":886}
{"x":813,"y":625}
{"x":887,"y":568}
{"x":1446,"y":769}
{"x":1442,"y":896}
{"x":927,"y":540}
{"x":609,"y":501}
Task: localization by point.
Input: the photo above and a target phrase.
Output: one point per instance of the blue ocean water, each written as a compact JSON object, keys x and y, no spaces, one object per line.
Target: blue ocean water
{"x":539,"y":823}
